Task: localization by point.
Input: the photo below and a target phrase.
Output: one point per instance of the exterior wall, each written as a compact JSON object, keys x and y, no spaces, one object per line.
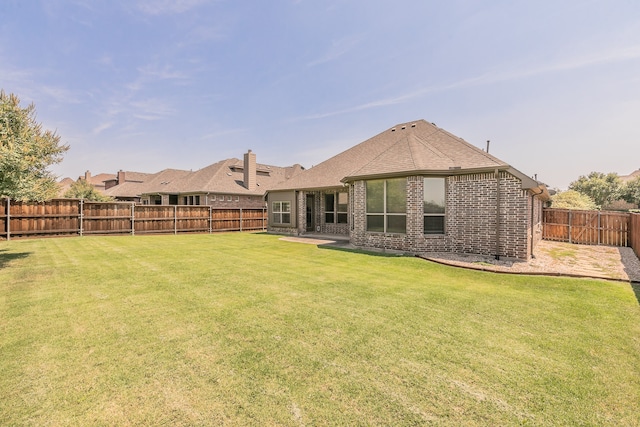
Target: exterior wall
{"x":285,"y":196}
{"x":470,"y":221}
{"x":330,"y":228}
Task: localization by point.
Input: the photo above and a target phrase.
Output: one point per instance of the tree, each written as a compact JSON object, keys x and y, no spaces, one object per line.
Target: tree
{"x":631,"y":191}
{"x":602,"y":189}
{"x":571,"y":199}
{"x":81,"y":189}
{"x":26,"y":151}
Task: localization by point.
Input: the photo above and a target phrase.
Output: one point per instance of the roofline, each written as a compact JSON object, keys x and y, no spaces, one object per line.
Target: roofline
{"x":436,"y":172}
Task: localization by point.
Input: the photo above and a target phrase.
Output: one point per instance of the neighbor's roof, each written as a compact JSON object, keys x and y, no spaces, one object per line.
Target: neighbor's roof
{"x":413,"y":147}
{"x":227,"y":176}
{"x":154,"y":182}
{"x":100,"y":178}
{"x":633,"y":175}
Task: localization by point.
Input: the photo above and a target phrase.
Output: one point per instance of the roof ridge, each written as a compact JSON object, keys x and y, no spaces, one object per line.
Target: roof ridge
{"x":479,"y":150}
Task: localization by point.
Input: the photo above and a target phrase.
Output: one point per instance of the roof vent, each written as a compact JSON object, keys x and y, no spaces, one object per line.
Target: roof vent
{"x":404,"y":127}
{"x":393,"y":129}
{"x":455,"y":167}
{"x":413,"y":125}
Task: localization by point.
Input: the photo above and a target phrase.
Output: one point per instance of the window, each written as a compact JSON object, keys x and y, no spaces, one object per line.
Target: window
{"x":191,"y":200}
{"x":228,"y":198}
{"x":335,"y":211}
{"x":281,"y":212}
{"x":434,"y":205}
{"x":387,"y":205}
{"x":329,"y":208}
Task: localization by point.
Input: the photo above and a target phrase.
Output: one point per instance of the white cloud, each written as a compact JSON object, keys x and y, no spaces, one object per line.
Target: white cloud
{"x":338,"y":49}
{"x":163,"y":7}
{"x":622,"y":54}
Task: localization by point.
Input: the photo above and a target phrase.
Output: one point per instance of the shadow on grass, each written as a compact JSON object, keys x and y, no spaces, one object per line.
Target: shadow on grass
{"x":636,"y":290}
{"x":6,"y":257}
{"x":337,"y":247}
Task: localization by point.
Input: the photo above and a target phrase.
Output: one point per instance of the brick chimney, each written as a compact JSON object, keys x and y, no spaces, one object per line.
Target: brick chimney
{"x":121,"y":177}
{"x":87,"y":176}
{"x":250,"y":171}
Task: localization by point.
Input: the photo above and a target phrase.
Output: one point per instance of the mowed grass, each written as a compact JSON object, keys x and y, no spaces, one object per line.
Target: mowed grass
{"x":246,"y":329}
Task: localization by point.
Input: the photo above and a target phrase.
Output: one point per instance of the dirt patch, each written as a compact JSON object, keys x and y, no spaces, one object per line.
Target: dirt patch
{"x":606,"y":262}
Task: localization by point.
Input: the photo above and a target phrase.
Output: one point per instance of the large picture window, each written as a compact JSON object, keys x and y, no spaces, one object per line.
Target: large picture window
{"x":434,"y":205}
{"x":387,"y":205}
{"x":335,"y":208}
{"x":281,"y":212}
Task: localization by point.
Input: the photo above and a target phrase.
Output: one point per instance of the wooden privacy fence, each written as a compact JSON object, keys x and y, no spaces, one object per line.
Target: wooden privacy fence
{"x":634,"y":233}
{"x":67,"y":217}
{"x":587,"y":227}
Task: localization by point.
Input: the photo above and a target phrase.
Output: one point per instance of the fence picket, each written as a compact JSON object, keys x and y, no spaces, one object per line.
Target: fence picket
{"x":65,"y":217}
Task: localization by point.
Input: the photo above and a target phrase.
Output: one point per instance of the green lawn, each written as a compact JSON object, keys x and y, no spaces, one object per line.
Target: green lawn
{"x":245,"y":329}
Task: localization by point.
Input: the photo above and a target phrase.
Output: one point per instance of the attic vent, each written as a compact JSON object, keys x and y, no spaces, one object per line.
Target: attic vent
{"x":413,"y":125}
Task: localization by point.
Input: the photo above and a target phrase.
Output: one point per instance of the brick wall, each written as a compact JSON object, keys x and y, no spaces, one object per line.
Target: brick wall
{"x":470,"y":223}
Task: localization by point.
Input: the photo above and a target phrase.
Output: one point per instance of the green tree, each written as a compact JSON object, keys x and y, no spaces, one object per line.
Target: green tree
{"x":602,"y":188}
{"x":26,"y":151}
{"x":571,"y":199}
{"x":631,"y":191}
{"x":81,"y":189}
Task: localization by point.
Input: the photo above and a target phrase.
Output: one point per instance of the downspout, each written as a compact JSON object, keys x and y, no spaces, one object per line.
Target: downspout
{"x":532,"y":212}
{"x":497,"y":254}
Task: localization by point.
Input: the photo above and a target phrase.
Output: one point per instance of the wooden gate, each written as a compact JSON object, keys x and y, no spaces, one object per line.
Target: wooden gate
{"x":586,"y":227}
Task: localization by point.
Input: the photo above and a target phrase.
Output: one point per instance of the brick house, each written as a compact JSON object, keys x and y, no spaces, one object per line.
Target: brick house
{"x":230,"y":183}
{"x":414,"y":188}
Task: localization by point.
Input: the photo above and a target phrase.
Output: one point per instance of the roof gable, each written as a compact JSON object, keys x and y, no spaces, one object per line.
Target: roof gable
{"x":403,"y":149}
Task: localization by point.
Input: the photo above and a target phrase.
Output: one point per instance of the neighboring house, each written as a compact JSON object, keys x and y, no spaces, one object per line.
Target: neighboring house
{"x":633,"y":175}
{"x":227,"y":183}
{"x":129,"y":186}
{"x":414,"y":188}
{"x":98,"y":182}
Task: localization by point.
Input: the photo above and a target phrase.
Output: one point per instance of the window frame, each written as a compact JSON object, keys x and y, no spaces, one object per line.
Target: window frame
{"x":389,"y":213}
{"x":338,"y":213}
{"x":278,"y":211}
{"x":434,"y":214}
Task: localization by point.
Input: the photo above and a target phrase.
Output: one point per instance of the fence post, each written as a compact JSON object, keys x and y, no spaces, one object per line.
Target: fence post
{"x":175,"y":219}
{"x":263,"y":219}
{"x":570,"y":220}
{"x":133,"y":218}
{"x":599,"y":227}
{"x":240,"y":220}
{"x":81,"y":216}
{"x":210,"y":219}
{"x":8,"y":218}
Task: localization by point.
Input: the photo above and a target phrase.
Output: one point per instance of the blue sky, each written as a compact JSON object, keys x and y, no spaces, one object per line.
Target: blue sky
{"x":151,"y":84}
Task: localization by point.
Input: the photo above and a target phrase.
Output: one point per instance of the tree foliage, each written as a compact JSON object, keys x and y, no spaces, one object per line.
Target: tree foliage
{"x":602,"y":188}
{"x":26,"y":151}
{"x":81,"y":189}
{"x":571,"y":199}
{"x":631,"y":191}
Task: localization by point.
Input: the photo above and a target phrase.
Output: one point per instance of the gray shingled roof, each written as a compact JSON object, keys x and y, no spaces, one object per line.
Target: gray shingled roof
{"x":413,"y":147}
{"x":226,"y":176}
{"x":153,"y":183}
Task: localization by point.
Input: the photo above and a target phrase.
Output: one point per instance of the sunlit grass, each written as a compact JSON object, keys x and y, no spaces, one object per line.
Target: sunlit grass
{"x":245,"y":329}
